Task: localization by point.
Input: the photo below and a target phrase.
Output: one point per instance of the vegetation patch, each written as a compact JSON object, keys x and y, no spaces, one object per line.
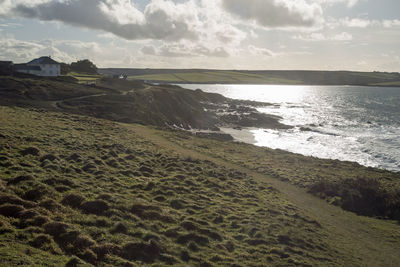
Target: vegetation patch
{"x":364,"y":196}
{"x":183,"y":211}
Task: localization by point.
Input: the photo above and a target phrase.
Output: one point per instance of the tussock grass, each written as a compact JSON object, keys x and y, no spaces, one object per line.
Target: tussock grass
{"x":363,"y":190}
{"x":138,"y":203}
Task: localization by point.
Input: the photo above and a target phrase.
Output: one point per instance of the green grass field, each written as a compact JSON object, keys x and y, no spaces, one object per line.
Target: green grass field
{"x":214,"y":77}
{"x":81,"y":189}
{"x":272,"y":77}
{"x":84,"y":78}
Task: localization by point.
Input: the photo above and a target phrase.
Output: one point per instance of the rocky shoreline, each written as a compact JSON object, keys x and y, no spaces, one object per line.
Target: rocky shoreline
{"x":135,"y":102}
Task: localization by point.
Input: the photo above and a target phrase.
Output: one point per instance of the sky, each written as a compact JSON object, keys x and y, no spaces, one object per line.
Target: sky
{"x":359,"y":35}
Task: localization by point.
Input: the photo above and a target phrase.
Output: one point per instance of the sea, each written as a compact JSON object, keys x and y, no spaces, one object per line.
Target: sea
{"x":349,"y":123}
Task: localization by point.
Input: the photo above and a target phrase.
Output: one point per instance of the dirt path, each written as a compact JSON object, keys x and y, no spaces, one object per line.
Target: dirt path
{"x":374,"y":242}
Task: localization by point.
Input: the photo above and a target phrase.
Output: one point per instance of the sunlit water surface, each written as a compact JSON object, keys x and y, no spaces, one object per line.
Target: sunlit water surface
{"x":360,"y":124}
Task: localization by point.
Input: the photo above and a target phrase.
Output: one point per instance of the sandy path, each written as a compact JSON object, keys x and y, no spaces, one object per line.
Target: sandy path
{"x":374,"y":242}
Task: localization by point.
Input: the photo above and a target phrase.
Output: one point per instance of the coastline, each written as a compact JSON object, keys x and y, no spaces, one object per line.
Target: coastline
{"x":277,"y":84}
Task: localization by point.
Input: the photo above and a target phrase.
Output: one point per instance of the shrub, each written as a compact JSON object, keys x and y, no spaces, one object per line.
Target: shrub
{"x":10,"y":199}
{"x":119,"y":227}
{"x":56,"y":228}
{"x":185,"y":256}
{"x":106,"y":249}
{"x":19,"y":179}
{"x":146,"y":252}
{"x":73,"y":262}
{"x":50,"y":157}
{"x":11,"y":210}
{"x":72,"y":200}
{"x":89,"y":256}
{"x":30,"y":151}
{"x":198,"y":239}
{"x":36,"y":193}
{"x":176,"y":204}
{"x":97,"y":207}
{"x":41,"y":241}
{"x":363,"y":196}
{"x":50,"y":205}
{"x":146,"y":169}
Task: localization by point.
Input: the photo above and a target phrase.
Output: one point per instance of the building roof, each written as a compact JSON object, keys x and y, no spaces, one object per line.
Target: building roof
{"x":27,"y":67}
{"x":43,"y":60}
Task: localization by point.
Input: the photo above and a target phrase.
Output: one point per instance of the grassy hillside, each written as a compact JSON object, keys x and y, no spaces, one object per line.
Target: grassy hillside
{"x":77,"y":186}
{"x":80,"y":190}
{"x":215,"y":77}
{"x":134,"y":101}
{"x":367,"y":191}
{"x":84,"y":78}
{"x":260,"y":77}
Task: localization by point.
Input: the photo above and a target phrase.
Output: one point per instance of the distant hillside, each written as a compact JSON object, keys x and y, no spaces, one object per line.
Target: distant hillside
{"x":135,"y":102}
{"x":301,"y":77}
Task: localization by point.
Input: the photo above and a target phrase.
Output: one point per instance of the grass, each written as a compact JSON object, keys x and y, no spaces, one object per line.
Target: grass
{"x":157,"y":77}
{"x":367,"y":191}
{"x":29,"y":90}
{"x":84,"y":78}
{"x":396,"y":84}
{"x":78,"y":189}
{"x":214,"y":77}
{"x":92,"y":190}
{"x":270,"y":77}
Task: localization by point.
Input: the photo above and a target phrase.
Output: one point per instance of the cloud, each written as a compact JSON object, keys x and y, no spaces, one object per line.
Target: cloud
{"x":391,"y":23}
{"x":164,"y":20}
{"x":62,"y":50}
{"x":148,"y":50}
{"x":260,"y":51}
{"x":276,"y":13}
{"x":349,"y":3}
{"x":183,"y":49}
{"x":361,"y":23}
{"x":23,"y":51}
{"x":357,"y":23}
{"x":161,"y":19}
{"x":317,"y":36}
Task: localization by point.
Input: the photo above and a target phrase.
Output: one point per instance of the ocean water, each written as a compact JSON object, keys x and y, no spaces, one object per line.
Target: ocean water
{"x":352,"y":123}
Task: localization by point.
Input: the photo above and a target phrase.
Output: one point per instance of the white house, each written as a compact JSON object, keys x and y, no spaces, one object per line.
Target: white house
{"x":43,"y":66}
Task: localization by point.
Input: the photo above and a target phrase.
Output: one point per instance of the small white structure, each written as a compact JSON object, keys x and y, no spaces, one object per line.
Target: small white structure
{"x":43,"y":66}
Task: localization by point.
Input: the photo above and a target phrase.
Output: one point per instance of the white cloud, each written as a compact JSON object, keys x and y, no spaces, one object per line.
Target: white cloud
{"x":361,"y":23}
{"x":148,"y":50}
{"x":344,"y":36}
{"x":357,"y":23}
{"x":185,"y":49}
{"x":260,"y":51}
{"x":391,"y":23}
{"x":318,"y":36}
{"x":349,"y":3}
{"x":276,"y":13}
{"x":23,"y":51}
{"x":62,"y":50}
{"x":161,"y":19}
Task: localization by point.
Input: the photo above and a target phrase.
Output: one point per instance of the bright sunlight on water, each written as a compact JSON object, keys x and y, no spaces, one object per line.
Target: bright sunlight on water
{"x":360,"y":124}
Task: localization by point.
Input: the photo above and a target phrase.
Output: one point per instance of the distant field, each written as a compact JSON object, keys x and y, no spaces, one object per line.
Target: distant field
{"x":287,"y":77}
{"x":214,"y":77}
{"x":397,"y":83}
{"x":84,"y":78}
